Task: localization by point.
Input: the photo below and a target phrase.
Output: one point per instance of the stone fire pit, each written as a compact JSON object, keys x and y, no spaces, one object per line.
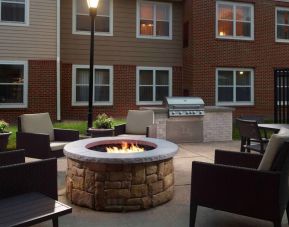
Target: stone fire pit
{"x":120,"y":182}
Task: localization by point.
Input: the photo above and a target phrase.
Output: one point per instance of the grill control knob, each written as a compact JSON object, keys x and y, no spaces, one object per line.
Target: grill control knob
{"x":194,"y":112}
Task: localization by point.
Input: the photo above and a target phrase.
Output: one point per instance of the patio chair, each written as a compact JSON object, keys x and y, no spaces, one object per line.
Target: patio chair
{"x":251,"y":138}
{"x":38,"y":137}
{"x":139,"y":123}
{"x":12,"y":157}
{"x":234,"y":184}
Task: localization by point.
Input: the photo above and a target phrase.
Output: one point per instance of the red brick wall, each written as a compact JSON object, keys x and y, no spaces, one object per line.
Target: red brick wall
{"x":41,"y":91}
{"x":206,"y":53}
{"x":124,"y":94}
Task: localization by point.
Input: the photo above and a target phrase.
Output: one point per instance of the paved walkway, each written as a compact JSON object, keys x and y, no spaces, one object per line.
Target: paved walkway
{"x":172,"y":214}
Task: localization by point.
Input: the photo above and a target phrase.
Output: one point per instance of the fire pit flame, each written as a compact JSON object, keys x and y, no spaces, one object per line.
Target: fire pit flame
{"x":125,"y":148}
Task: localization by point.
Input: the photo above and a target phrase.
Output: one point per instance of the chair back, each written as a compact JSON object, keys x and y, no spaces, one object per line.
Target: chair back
{"x":36,"y":123}
{"x":249,"y":129}
{"x":138,"y":121}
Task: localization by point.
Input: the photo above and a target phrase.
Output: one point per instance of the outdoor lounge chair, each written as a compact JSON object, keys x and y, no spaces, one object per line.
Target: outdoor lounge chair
{"x":139,"y":123}
{"x":234,"y":184}
{"x":38,"y":137}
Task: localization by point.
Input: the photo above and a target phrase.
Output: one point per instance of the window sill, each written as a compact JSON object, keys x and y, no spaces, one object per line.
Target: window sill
{"x":284,"y":41}
{"x":94,"y":104}
{"x":15,"y":24}
{"x":234,"y":39}
{"x":249,"y":104}
{"x":95,"y":33}
{"x":155,"y":37}
{"x":13,"y":106}
{"x":149,"y":103}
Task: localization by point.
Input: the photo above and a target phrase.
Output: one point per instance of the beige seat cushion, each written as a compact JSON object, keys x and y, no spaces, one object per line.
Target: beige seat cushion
{"x":272,"y":149}
{"x":138,"y":121}
{"x":57,"y":145}
{"x":37,"y":123}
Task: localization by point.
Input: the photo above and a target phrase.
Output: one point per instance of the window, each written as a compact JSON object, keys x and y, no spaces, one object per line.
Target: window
{"x":234,"y":20}
{"x":14,"y":12}
{"x":103,"y":20}
{"x":154,"y":20}
{"x":13,"y":84}
{"x":282,"y":24}
{"x":102,"y":89}
{"x":234,"y":86}
{"x":153,"y":84}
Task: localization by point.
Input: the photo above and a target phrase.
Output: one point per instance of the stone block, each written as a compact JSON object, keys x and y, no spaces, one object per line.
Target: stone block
{"x":161,"y":168}
{"x":100,"y":176}
{"x":138,"y":191}
{"x":117,"y":193}
{"x":115,"y":201}
{"x":168,"y":180}
{"x":96,"y":167}
{"x":82,"y":198}
{"x":152,"y":178}
{"x":114,"y":167}
{"x":138,"y":174}
{"x":89,"y":181}
{"x":77,"y":171}
{"x":151,"y":169}
{"x":168,"y":167}
{"x":68,"y":187}
{"x":163,"y":197}
{"x":99,"y":187}
{"x":71,"y":162}
{"x":134,"y":201}
{"x":112,"y":184}
{"x":120,"y":176}
{"x":156,"y":187}
{"x":146,"y":202}
{"x":78,"y":182}
{"x":126,"y":184}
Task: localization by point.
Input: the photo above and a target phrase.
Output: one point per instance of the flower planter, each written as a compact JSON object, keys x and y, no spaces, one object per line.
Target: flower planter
{"x":100,"y":132}
{"x":4,"y":140}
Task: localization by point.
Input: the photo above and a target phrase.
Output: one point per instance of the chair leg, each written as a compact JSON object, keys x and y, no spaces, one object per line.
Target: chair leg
{"x":243,"y":143}
{"x":287,"y":212}
{"x":193,"y":214}
{"x":248,"y":144}
{"x":55,"y":222}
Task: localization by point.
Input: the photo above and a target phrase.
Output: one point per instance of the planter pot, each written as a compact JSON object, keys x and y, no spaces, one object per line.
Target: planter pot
{"x":100,"y":132}
{"x":4,"y":140}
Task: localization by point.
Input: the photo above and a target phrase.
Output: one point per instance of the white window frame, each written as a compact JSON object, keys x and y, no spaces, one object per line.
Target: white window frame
{"x":140,"y":36}
{"x":276,"y":27}
{"x":235,"y":103}
{"x":25,"y":86}
{"x":16,"y":23}
{"x":109,"y":103}
{"x":76,"y":32}
{"x":154,"y":69}
{"x":234,"y":37}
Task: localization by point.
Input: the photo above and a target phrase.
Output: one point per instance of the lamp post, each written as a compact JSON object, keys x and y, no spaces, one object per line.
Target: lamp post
{"x":92,"y":5}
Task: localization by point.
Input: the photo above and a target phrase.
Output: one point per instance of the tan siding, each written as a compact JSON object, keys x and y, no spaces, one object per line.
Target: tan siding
{"x":123,"y":47}
{"x":35,"y":41}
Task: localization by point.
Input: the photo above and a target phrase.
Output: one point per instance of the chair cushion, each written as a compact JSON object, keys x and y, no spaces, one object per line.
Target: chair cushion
{"x":58,"y":145}
{"x":271,"y":152}
{"x":37,"y":123}
{"x":138,"y":121}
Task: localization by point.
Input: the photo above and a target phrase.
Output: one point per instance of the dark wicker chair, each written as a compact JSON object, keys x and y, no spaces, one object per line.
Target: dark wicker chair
{"x":12,"y":157}
{"x":234,"y":184}
{"x":251,"y":138}
{"x":44,"y":142}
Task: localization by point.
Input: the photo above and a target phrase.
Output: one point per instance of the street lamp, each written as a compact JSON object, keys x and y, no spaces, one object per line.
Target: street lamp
{"x":92,"y":5}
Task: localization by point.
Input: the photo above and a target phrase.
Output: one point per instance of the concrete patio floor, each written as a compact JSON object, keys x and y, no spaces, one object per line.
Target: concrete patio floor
{"x":172,"y":214}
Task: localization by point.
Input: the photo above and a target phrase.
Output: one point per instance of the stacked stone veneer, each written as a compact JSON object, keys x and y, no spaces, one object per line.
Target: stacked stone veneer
{"x":120,"y":187}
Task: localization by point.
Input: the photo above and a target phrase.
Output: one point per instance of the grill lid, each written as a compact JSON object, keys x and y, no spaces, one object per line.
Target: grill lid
{"x":184,"y":101}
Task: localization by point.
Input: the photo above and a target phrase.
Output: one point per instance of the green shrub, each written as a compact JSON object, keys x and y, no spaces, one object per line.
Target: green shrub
{"x":3,"y":126}
{"x":103,"y":121}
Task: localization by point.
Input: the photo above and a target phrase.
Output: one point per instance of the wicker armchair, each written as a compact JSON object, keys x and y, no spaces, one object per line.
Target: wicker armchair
{"x":38,"y":137}
{"x":234,"y":184}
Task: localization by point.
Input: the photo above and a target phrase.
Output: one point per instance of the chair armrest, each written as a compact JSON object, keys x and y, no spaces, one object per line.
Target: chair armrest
{"x":66,"y":134}
{"x":12,"y":157}
{"x":241,"y":159}
{"x":119,"y":129}
{"x":39,"y":176}
{"x":236,"y":189}
{"x":36,"y":145}
{"x":152,"y":131}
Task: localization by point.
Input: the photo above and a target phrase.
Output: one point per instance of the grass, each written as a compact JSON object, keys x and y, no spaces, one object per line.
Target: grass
{"x":76,"y":125}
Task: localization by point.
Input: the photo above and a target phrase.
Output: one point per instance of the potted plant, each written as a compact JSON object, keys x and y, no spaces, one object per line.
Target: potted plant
{"x":103,"y":126}
{"x":4,"y":135}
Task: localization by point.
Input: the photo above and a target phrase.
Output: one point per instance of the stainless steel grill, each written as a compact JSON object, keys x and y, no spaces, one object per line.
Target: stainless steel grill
{"x":185,"y":106}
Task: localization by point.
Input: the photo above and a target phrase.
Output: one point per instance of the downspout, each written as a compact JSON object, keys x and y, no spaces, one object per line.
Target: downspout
{"x":58,"y":66}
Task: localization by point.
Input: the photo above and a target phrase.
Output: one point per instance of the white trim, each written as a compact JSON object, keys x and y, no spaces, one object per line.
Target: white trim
{"x":75,"y":103}
{"x":235,"y":37}
{"x":154,"y":69}
{"x":25,"y":86}
{"x":21,"y":24}
{"x":276,"y":23}
{"x":139,"y":36}
{"x":234,"y":103}
{"x":75,"y":32}
{"x":58,"y":67}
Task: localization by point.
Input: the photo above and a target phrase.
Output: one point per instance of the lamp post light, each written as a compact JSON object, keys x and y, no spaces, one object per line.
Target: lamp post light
{"x":92,"y":5}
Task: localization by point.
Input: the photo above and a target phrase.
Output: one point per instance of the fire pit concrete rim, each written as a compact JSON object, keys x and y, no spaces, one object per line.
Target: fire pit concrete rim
{"x":78,"y":150}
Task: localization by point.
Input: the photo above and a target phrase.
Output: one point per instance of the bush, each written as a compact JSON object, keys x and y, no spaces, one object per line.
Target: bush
{"x":103,"y":121}
{"x":3,"y":126}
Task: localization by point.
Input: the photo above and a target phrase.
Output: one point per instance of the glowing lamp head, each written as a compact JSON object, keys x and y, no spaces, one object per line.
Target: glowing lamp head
{"x":92,"y":4}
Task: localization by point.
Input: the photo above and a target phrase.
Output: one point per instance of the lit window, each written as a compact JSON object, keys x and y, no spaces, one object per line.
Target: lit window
{"x":13,"y":11}
{"x":153,"y":84}
{"x":234,"y":86}
{"x":102,"y":89}
{"x":13,"y":84}
{"x":154,"y":19}
{"x":235,"y":20}
{"x":103,"y":19}
{"x":282,"y":24}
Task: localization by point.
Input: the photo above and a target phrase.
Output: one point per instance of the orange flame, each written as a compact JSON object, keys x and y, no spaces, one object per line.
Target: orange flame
{"x":125,"y":148}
